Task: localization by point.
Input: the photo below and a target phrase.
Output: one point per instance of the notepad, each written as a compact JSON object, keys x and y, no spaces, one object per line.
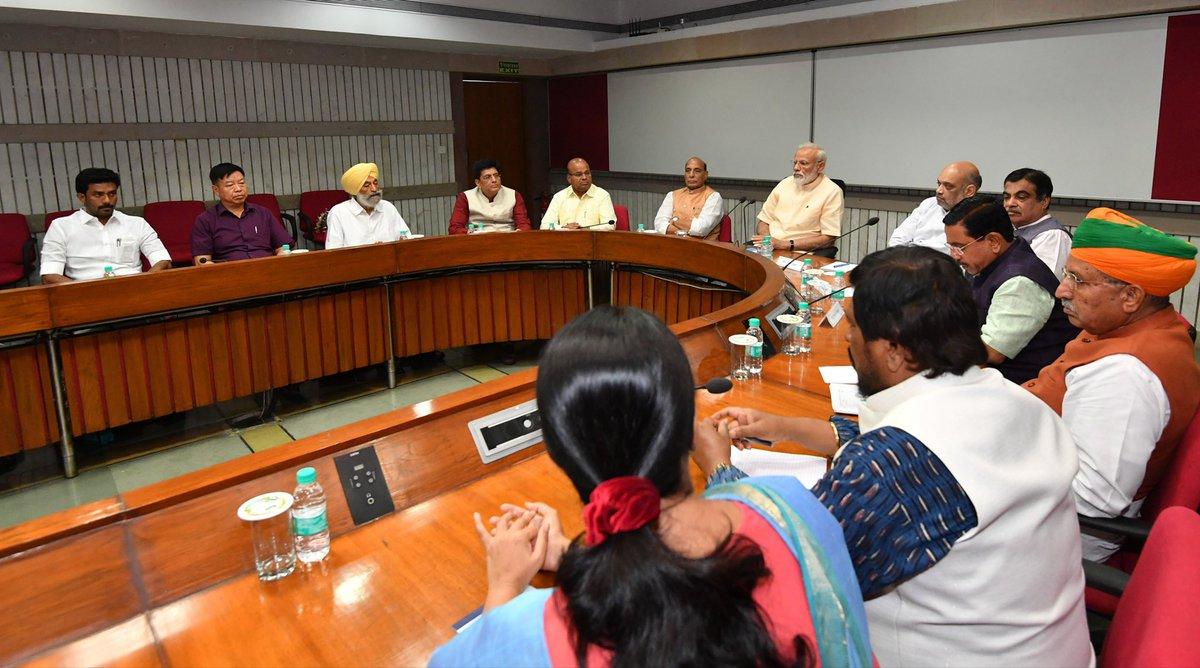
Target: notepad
{"x":839,"y":374}
{"x":808,"y":469}
{"x":845,"y":398}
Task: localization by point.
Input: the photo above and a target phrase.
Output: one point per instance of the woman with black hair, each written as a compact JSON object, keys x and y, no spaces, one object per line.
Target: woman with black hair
{"x":751,"y":573}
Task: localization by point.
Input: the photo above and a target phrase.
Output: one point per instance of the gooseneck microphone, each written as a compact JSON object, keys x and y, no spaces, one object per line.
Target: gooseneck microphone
{"x":718,"y":385}
{"x":742,"y":201}
{"x":873,"y":220}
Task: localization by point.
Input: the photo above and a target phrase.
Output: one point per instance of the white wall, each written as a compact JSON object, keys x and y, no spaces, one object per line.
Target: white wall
{"x":1078,"y":101}
{"x":744,"y":117}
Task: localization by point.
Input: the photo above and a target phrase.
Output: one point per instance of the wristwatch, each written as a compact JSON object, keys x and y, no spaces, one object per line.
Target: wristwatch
{"x":792,"y":245}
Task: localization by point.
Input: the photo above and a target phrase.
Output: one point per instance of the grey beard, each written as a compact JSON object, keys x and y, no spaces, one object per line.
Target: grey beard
{"x":368,"y":201}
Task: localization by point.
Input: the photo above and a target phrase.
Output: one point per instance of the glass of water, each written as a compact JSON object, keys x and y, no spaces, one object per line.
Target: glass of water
{"x":792,"y":344}
{"x":271,"y":534}
{"x":739,"y":355}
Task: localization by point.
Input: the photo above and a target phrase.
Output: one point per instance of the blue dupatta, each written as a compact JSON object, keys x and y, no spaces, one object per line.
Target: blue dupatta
{"x":514,"y":633}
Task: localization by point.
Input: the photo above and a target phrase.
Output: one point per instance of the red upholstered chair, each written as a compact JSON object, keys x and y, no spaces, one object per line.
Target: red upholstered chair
{"x":173,"y":222}
{"x":271,"y":203}
{"x":16,"y":249}
{"x":1158,"y":620}
{"x":622,"y":217}
{"x":1180,"y":486}
{"x":51,"y":217}
{"x":313,"y":204}
{"x":726,"y":230}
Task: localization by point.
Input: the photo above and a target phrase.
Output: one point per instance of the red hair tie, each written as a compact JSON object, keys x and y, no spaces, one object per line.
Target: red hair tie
{"x":620,"y":504}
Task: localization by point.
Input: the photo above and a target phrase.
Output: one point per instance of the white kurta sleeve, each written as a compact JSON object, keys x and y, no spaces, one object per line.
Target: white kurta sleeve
{"x":709,"y":217}
{"x":663,"y":218}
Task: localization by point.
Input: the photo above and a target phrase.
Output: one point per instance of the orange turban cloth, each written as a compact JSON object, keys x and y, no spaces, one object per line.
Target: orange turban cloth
{"x":1131,"y":251}
{"x":356,"y":176}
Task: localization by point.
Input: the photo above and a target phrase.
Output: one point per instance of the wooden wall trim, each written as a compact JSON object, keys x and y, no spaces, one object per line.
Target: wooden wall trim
{"x":63,"y":132}
{"x":950,"y":18}
{"x":65,"y":39}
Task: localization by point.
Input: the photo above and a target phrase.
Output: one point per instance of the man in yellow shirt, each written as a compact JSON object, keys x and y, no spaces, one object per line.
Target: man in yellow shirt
{"x":804,"y":211}
{"x":583,"y":205}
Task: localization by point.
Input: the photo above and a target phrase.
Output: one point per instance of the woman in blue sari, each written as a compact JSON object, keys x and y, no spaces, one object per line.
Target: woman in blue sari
{"x":753,"y":572}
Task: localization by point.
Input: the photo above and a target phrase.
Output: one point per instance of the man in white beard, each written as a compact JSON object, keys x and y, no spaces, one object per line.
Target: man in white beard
{"x":366,"y":218}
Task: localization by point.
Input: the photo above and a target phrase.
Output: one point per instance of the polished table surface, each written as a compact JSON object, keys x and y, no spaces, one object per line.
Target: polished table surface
{"x":388,"y":593}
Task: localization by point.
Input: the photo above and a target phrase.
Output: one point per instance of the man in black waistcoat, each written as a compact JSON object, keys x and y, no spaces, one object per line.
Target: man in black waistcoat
{"x":1022,"y":324}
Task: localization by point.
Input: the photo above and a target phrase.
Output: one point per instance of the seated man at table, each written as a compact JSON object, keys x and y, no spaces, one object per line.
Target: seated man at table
{"x":234,"y":229}
{"x":803,"y":212}
{"x":923,"y":227}
{"x":366,"y":218}
{"x":1027,"y":198}
{"x":1129,"y":385}
{"x":953,"y":489}
{"x":1022,"y":324}
{"x":693,"y":210}
{"x":79,"y":246}
{"x":581,"y":205}
{"x":489,"y":206}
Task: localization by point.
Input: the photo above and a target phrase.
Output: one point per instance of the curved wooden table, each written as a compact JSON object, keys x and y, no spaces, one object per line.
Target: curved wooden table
{"x":164,"y":574}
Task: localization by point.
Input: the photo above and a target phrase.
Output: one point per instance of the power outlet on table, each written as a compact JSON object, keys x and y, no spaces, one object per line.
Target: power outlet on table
{"x":366,"y":491}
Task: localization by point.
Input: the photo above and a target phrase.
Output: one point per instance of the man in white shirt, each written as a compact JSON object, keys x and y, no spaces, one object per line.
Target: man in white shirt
{"x":366,"y":218}
{"x":693,"y":210}
{"x":923,"y":227}
{"x":581,"y":205}
{"x":1027,"y":198}
{"x":80,"y":246}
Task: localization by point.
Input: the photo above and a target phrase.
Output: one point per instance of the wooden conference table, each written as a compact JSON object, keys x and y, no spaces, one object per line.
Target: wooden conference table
{"x":164,"y":574}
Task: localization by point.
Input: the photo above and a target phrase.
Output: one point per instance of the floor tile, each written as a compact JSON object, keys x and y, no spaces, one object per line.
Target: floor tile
{"x":265,"y":436}
{"x":55,"y":495}
{"x":143,"y":471}
{"x":483,"y":373}
{"x":408,"y":376}
{"x":519,"y":365}
{"x":324,"y":418}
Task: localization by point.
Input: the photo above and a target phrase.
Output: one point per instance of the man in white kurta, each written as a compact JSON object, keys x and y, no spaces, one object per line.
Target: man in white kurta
{"x":923,"y":227}
{"x":366,"y":218}
{"x":693,"y":210}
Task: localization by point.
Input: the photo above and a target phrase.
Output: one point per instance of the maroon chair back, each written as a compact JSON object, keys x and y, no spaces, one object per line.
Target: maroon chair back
{"x":268,"y":202}
{"x":622,"y":217}
{"x":51,"y":217}
{"x":173,"y":222}
{"x":1180,"y":485}
{"x":1158,"y":620}
{"x":314,"y":203}
{"x":726,"y":227}
{"x":16,"y":245}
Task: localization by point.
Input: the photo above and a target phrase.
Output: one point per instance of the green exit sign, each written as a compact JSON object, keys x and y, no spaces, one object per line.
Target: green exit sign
{"x":509,"y":67}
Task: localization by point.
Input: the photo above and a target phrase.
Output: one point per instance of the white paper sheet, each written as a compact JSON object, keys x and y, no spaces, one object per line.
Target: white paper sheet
{"x":756,"y":461}
{"x":839,"y":374}
{"x":845,"y":398}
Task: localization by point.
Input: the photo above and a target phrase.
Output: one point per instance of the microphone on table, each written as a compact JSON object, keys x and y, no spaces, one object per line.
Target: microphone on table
{"x":873,"y":220}
{"x":742,"y":201}
{"x":611,"y":222}
{"x":718,"y":385}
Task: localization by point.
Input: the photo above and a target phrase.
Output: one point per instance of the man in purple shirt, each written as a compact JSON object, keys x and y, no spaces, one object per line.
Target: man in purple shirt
{"x":234,"y":229}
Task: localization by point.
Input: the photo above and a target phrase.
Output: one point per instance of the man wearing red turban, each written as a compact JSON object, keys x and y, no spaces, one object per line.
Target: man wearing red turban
{"x":1128,"y":385}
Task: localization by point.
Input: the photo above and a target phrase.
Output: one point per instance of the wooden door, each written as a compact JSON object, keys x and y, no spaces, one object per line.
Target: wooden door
{"x":495,"y":128}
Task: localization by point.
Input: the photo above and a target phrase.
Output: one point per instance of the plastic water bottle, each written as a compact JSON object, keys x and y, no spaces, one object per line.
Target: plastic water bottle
{"x":767,"y":249}
{"x":285,"y":249}
{"x":807,"y":263}
{"x":108,"y":272}
{"x":754,"y":354}
{"x":310,"y":524}
{"x":551,"y":228}
{"x":803,"y":337}
{"x":839,"y":284}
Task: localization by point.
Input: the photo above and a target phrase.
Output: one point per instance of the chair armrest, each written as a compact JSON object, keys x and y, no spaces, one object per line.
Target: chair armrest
{"x":1105,"y":578}
{"x":291,"y":223}
{"x":1129,"y":527}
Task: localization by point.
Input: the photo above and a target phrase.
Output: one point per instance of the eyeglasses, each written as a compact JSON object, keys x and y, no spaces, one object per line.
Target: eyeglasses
{"x":1075,"y":281}
{"x":954,"y":249}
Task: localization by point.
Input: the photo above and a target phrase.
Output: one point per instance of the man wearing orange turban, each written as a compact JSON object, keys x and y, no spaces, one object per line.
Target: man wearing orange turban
{"x":1128,"y":385}
{"x":365,"y":218}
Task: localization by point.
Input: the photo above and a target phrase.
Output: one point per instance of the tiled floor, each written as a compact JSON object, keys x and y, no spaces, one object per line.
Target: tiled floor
{"x":166,"y":448}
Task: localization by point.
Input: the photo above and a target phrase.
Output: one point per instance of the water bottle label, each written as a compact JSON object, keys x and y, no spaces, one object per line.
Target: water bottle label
{"x":756,"y":351}
{"x":805,"y":331}
{"x":309,"y":526}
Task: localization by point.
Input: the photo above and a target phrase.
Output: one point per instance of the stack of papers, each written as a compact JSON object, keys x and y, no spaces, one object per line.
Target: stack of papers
{"x":843,"y":388}
{"x":808,"y":469}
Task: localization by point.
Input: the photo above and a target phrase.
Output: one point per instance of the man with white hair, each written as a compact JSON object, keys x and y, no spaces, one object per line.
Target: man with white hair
{"x":365,"y":218}
{"x":803,"y":212}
